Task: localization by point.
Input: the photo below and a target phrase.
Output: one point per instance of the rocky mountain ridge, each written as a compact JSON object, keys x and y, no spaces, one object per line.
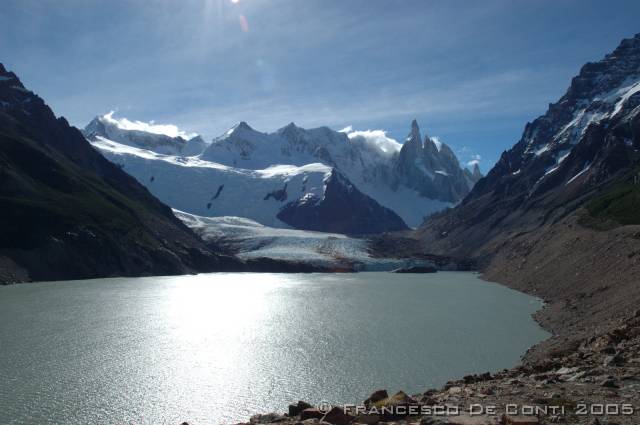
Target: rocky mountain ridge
{"x":583,"y":144}
{"x":68,"y":213}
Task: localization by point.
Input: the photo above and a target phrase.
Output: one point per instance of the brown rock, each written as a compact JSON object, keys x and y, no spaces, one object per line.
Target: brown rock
{"x":455,"y":390}
{"x":268,"y":418}
{"x":311,"y":413}
{"x":296,"y":409}
{"x":367,"y":419}
{"x":376,"y":397}
{"x":337,"y":416}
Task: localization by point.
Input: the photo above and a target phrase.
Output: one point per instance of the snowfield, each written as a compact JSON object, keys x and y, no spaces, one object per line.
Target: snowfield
{"x":210,"y":189}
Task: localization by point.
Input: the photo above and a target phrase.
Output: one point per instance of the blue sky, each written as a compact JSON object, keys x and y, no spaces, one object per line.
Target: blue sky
{"x":472,"y":72}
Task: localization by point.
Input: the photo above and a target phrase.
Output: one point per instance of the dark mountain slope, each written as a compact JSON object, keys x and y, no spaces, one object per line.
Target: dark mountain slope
{"x":342,"y":209}
{"x":67,"y":213}
{"x":576,"y":152}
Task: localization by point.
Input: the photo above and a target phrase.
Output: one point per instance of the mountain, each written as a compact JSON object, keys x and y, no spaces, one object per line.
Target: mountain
{"x":431,"y":168}
{"x":270,"y":196}
{"x":272,"y":177}
{"x":412,"y":186}
{"x":109,"y":128}
{"x":68,"y":213}
{"x":342,"y":209}
{"x":574,"y":153}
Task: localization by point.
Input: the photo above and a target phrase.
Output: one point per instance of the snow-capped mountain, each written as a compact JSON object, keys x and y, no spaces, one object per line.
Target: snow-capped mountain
{"x":563,"y":146}
{"x":414,"y":179}
{"x":586,"y":142}
{"x":315,"y":179}
{"x":164,"y":139}
{"x":431,"y":168}
{"x":210,"y":189}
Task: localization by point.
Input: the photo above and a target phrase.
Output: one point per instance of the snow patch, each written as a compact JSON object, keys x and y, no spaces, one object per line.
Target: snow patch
{"x":625,"y":93}
{"x":584,"y":170}
{"x":436,"y":141}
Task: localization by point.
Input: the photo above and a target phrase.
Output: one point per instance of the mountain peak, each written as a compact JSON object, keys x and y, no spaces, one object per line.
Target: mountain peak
{"x":10,"y":77}
{"x":476,"y":171}
{"x":242,"y":125}
{"x":414,"y":137}
{"x":291,"y":128}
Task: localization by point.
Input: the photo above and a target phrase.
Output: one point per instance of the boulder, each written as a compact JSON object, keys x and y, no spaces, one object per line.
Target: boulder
{"x":391,"y":403}
{"x":311,"y":413}
{"x":296,"y":409}
{"x":268,"y":418}
{"x":613,"y":360}
{"x":398,"y":399}
{"x":376,"y":397}
{"x":609,"y":383}
{"x":337,"y":416}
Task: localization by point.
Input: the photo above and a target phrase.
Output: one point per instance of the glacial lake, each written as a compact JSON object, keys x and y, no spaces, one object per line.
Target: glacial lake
{"x":217,"y":348}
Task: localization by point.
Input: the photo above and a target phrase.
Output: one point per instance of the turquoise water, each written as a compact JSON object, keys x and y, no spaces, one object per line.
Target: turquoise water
{"x":216,"y":348}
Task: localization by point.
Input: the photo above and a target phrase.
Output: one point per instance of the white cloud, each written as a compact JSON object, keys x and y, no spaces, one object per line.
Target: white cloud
{"x":376,"y":139}
{"x":150,"y":127}
{"x":475,"y":160}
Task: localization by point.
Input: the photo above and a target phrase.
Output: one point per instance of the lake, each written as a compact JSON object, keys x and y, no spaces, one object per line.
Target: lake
{"x":217,"y":348}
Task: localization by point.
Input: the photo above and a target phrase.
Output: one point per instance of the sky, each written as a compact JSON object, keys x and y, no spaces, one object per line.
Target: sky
{"x":471,"y":72}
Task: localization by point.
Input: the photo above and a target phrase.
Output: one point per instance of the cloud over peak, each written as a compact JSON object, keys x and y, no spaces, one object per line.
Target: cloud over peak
{"x":150,"y":127}
{"x":376,"y":139}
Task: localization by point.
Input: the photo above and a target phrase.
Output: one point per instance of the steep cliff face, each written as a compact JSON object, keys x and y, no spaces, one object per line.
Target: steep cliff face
{"x":431,"y":168}
{"x":583,"y":146}
{"x":68,"y":213}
